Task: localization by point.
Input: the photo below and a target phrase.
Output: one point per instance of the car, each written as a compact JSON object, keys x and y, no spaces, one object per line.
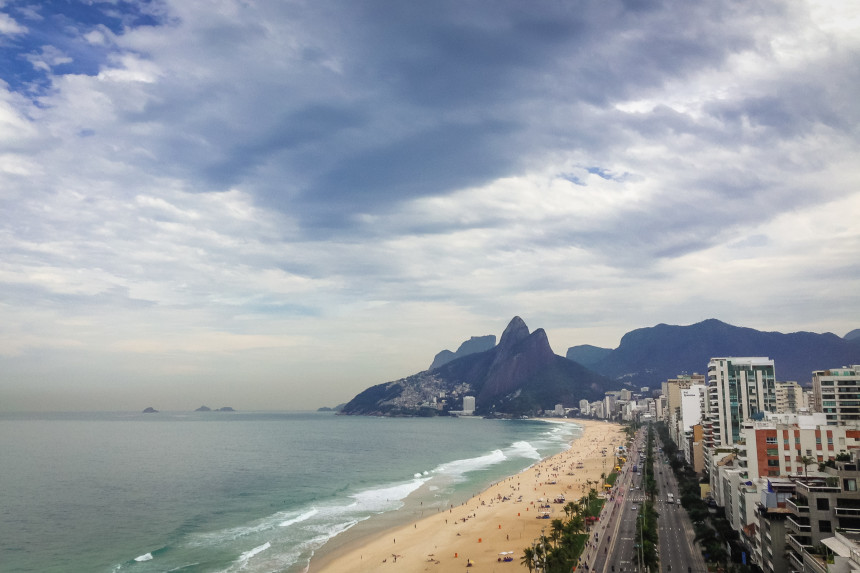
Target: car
{"x":633,"y":507}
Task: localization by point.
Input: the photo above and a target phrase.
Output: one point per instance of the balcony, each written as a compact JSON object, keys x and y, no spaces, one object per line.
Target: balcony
{"x":848,"y":511}
{"x":796,"y":561}
{"x":800,"y":543}
{"x":818,"y":486}
{"x":798,"y":524}
{"x":791,"y":503}
{"x":817,"y":563}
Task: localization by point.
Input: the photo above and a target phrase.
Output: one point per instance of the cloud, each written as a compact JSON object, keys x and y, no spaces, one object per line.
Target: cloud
{"x":284,"y":181}
{"x":10,"y":27}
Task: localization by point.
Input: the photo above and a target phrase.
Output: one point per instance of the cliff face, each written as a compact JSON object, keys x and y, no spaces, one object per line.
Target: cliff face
{"x":518,"y":357}
{"x":519,"y":375}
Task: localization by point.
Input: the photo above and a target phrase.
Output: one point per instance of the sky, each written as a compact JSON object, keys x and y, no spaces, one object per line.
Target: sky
{"x":276,"y":204}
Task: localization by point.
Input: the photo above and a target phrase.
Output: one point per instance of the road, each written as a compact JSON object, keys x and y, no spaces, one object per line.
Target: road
{"x":614,"y":549}
{"x":678,"y":551}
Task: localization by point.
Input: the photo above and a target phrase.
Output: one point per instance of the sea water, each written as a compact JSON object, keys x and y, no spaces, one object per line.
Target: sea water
{"x":225,"y":492}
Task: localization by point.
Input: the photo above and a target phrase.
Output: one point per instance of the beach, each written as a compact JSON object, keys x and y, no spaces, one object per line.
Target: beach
{"x":500,"y":521}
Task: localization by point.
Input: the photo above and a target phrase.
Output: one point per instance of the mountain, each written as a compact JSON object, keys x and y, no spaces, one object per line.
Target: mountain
{"x":587,"y":354}
{"x":519,"y":375}
{"x":854,"y":335}
{"x":471,"y":346}
{"x":648,"y":356}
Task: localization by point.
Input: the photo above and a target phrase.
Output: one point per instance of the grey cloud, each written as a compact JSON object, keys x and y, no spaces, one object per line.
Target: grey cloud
{"x":429,"y":99}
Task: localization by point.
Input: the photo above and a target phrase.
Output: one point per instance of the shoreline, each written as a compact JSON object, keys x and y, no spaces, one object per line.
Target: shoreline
{"x":501,"y":518}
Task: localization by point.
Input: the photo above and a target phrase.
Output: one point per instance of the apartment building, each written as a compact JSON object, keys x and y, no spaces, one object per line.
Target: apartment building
{"x":769,"y":551}
{"x":789,"y":398}
{"x":784,"y":444}
{"x":739,"y":388}
{"x":821,"y":505}
{"x":836,"y":393}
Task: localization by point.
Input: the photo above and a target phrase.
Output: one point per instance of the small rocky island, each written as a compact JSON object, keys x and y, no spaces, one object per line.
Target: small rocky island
{"x":203,"y":409}
{"x":150,"y":410}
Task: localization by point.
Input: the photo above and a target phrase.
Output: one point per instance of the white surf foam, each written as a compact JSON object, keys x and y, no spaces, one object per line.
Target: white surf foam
{"x":458,"y":468}
{"x":303,"y":517}
{"x":255,"y":551}
{"x":144,"y":557}
{"x":522,"y":449}
{"x":383,"y":498}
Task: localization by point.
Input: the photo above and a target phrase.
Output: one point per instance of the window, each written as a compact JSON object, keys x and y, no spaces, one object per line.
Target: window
{"x":773,"y":463}
{"x":770,"y":440}
{"x":822,"y":504}
{"x":824,"y":526}
{"x":772,"y":452}
{"x":849,"y":484}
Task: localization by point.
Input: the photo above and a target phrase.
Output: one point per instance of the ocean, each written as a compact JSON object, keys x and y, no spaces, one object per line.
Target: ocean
{"x":228,"y":492}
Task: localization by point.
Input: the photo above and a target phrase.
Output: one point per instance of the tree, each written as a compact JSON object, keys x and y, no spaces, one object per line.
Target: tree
{"x":557,"y":529}
{"x":528,"y":558}
{"x":806,"y":460}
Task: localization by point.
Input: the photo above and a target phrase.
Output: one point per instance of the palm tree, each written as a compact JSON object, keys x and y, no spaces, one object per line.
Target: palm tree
{"x":557,"y":529}
{"x":528,"y":558}
{"x":806,"y":460}
{"x":577,"y":523}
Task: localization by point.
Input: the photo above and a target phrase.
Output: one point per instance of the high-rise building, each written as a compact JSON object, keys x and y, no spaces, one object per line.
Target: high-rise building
{"x":738,"y":389}
{"x":789,"y":397}
{"x":820,"y":508}
{"x":677,"y":405}
{"x":790,"y":444}
{"x":469,"y":404}
{"x":583,"y":407}
{"x":836,"y":392}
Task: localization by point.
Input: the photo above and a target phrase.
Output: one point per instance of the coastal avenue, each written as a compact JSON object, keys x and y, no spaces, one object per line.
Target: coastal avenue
{"x":615,"y":550}
{"x":678,"y":552}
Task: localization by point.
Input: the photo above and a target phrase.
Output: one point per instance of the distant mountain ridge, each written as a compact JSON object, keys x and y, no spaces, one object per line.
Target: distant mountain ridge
{"x":473,"y":345}
{"x":521,"y":374}
{"x":587,"y":354}
{"x":647,"y":356}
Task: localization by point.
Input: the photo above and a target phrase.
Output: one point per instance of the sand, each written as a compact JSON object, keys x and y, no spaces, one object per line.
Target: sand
{"x":485,"y":526}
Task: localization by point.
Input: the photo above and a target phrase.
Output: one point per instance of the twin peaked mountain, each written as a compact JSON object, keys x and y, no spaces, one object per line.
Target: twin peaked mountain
{"x":519,"y":375}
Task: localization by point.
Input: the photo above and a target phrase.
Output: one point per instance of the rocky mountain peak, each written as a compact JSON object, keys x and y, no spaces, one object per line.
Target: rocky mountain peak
{"x":515,"y":332}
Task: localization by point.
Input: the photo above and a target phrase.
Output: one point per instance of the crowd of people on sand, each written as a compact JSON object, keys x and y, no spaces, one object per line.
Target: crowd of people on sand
{"x":550,"y":472}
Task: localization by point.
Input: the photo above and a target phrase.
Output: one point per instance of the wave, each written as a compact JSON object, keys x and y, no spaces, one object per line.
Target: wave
{"x":458,"y":468}
{"x":248,"y":554}
{"x":523,"y":449}
{"x":144,"y":557}
{"x":386,"y":497}
{"x":303,"y":517}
